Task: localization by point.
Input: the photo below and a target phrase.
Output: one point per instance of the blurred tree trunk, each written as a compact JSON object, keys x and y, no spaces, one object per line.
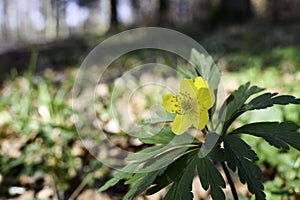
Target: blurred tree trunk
{"x":113,"y":13}
{"x":163,"y":12}
{"x":65,"y":30}
{"x":4,"y":27}
{"x":25,"y":25}
{"x":275,"y":10}
{"x":60,"y":14}
{"x":57,"y":17}
{"x":136,"y":7}
{"x":49,"y":14}
{"x":236,"y":10}
{"x":202,"y":11}
{"x":95,"y":7}
{"x":13,"y":19}
{"x":146,"y":12}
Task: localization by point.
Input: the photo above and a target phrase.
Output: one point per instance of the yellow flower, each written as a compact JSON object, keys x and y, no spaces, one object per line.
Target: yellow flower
{"x":191,"y":105}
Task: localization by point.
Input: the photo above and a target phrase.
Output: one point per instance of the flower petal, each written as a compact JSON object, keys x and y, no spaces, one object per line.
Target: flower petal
{"x":204,"y":119}
{"x":169,"y":103}
{"x":206,"y":98}
{"x":187,"y":86}
{"x":200,"y":83}
{"x":181,"y":124}
{"x":194,"y":116}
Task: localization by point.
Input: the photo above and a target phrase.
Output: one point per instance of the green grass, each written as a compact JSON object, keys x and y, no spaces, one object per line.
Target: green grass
{"x":37,"y":135}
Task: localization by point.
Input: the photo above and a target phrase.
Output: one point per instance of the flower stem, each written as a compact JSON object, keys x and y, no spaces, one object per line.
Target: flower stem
{"x":233,"y":190}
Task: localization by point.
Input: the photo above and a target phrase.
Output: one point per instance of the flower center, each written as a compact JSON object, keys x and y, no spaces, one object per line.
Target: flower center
{"x":187,"y":104}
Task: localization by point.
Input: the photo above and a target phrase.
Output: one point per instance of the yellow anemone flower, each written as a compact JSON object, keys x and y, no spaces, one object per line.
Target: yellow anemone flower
{"x":191,"y":105}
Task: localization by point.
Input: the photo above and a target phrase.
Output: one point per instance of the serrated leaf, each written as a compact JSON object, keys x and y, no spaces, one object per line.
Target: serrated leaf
{"x":233,"y":106}
{"x":261,"y":99}
{"x":210,"y":176}
{"x":269,"y":99}
{"x":237,"y":99}
{"x":113,"y":181}
{"x":217,"y":154}
{"x":124,"y":173}
{"x":172,"y":173}
{"x":275,"y":133}
{"x":182,"y":187}
{"x":164,"y":136}
{"x":206,"y":68}
{"x":239,"y":156}
{"x":139,"y":183}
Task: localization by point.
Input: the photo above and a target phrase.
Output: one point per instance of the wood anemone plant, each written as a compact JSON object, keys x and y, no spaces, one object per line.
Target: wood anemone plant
{"x":184,"y":154}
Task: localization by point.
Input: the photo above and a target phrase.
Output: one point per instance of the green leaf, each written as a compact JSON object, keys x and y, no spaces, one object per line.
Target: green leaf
{"x":275,"y":133}
{"x":182,"y":187}
{"x":185,"y":73}
{"x":269,"y":99}
{"x":239,"y":97}
{"x":139,"y":183}
{"x":217,"y":154}
{"x":239,"y":156}
{"x":172,"y":173}
{"x":146,"y":154}
{"x":210,"y":176}
{"x":233,"y":106}
{"x":164,"y":136}
{"x":167,"y":117}
{"x":124,"y":173}
{"x":215,"y":76}
{"x":162,"y":160}
{"x":152,"y":126}
{"x":155,"y":157}
{"x":201,"y":63}
{"x":162,"y":117}
{"x":119,"y":175}
{"x":206,"y":68}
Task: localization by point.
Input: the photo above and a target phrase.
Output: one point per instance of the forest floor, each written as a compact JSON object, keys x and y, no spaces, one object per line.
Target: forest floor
{"x":41,"y":155}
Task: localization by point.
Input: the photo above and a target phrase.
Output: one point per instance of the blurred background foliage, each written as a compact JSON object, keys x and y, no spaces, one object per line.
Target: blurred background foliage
{"x":42,"y":44}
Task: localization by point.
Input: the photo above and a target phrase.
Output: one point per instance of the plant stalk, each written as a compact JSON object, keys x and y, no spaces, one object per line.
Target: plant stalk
{"x":233,"y":190}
